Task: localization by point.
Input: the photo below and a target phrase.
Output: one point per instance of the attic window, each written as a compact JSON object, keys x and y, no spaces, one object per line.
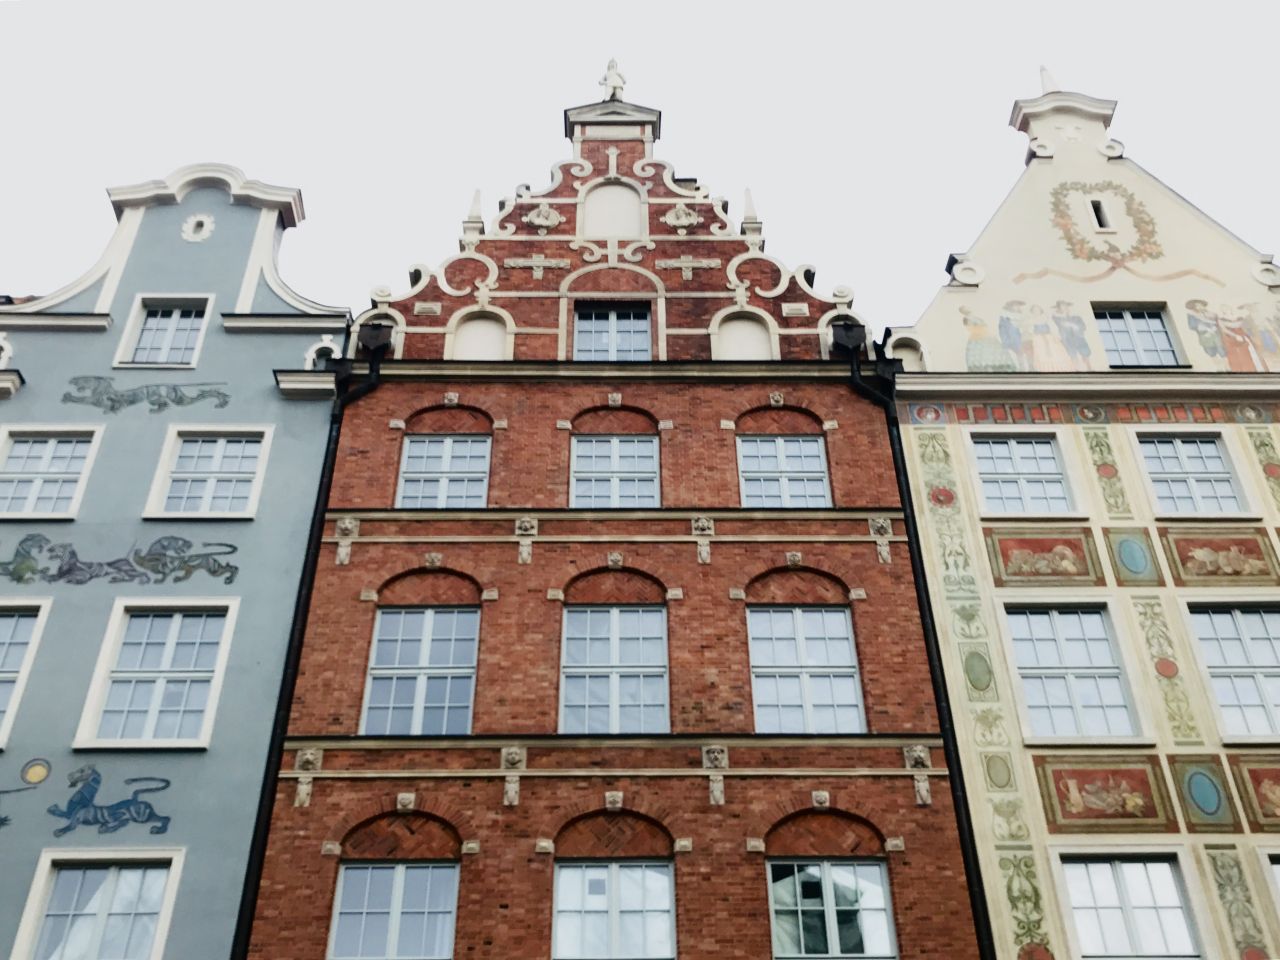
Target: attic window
{"x":1099,"y":210}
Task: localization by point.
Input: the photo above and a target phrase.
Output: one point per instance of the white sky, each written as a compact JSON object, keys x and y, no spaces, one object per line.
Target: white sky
{"x":873,"y":136}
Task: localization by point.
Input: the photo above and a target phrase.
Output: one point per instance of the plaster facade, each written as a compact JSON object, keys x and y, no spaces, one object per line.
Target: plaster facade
{"x":1099,"y":322}
{"x":161,"y":441}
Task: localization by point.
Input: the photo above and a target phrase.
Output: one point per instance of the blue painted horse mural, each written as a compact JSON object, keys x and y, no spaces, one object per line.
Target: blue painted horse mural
{"x":82,"y":810}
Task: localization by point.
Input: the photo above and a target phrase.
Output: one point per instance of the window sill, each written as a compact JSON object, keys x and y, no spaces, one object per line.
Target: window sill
{"x":1034,"y":517}
{"x":1091,"y":743}
{"x":1208,"y":518}
{"x":42,"y":517}
{"x":159,"y":515}
{"x":148,"y":745}
{"x":153,"y":366}
{"x":1251,"y":740}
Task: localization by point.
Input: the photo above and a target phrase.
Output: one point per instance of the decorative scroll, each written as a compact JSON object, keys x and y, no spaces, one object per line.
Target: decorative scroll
{"x":1108,"y":474}
{"x":1237,"y":903}
{"x":1177,"y":705}
{"x":1026,"y":903}
{"x":1264,"y":446}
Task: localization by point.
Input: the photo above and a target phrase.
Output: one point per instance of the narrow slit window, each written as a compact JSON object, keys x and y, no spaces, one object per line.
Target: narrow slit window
{"x":1100,"y":218}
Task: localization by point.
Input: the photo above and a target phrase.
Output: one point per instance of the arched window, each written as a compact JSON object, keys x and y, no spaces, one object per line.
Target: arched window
{"x":480,"y":338}
{"x":612,"y":210}
{"x":743,"y":338}
{"x":614,"y":460}
{"x":444,"y":461}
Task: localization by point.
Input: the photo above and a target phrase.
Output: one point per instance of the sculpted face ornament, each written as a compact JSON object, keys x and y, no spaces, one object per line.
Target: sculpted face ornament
{"x":715,"y":757}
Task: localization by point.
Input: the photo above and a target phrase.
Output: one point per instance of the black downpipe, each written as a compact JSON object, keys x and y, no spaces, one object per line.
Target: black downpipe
{"x":885,"y":372}
{"x":346,"y":395}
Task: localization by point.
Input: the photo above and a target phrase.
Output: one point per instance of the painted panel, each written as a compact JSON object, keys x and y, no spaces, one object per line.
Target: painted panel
{"x":1210,"y":556}
{"x":1258,"y":779}
{"x":1201,"y":787}
{"x":1105,"y":794}
{"x":1037,"y":556}
{"x":1133,"y":558}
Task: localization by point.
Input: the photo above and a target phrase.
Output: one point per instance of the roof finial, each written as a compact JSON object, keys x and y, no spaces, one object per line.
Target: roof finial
{"x":473,"y":226}
{"x":613,"y":81}
{"x":1047,"y":83}
{"x":751,"y":224}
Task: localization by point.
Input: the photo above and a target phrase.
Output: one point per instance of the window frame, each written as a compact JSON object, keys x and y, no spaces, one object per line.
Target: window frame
{"x":612,"y":308}
{"x":780,"y":438}
{"x":142,"y":302}
{"x":23,"y":431}
{"x":422,"y":672}
{"x":1232,"y":601}
{"x":615,"y":477}
{"x":1127,"y":309}
{"x":1230,"y":457}
{"x":165,"y":465}
{"x":1071,"y":602}
{"x":829,"y":907}
{"x":613,"y":669}
{"x":40,"y":606}
{"x":1073,"y":508}
{"x":449,"y":438}
{"x":614,"y":909}
{"x":1192,"y":893}
{"x":803,"y":668}
{"x":87,"y":737}
{"x":397,"y":891}
{"x":53,"y":858}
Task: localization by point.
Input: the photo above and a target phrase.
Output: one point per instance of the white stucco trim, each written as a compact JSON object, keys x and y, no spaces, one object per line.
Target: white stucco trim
{"x":747,"y":312}
{"x":286,"y":201}
{"x":262,"y":263}
{"x":141,"y":303}
{"x":458,"y":317}
{"x":257,"y":323}
{"x":94,"y":433}
{"x":40,"y":605}
{"x":1181,"y":384}
{"x":24,"y":945}
{"x":176,"y":433}
{"x":383,"y":313}
{"x":87,"y":731}
{"x":61,"y":323}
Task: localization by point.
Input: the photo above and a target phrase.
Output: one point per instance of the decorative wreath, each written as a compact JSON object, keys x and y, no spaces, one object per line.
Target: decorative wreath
{"x":1146,"y":247}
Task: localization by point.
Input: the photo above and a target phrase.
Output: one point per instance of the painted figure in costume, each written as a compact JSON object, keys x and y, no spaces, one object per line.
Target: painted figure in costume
{"x":1204,"y":324}
{"x":1013,"y":334}
{"x":1071,"y":330}
{"x":984,"y":353}
{"x":1242,"y":353}
{"x":1047,"y":349}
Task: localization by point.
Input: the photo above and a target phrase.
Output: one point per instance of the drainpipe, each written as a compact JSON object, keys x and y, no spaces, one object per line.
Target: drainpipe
{"x":852,"y":337}
{"x":347,"y":394}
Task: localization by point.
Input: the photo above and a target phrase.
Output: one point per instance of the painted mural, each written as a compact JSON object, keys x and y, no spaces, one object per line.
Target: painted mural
{"x":1027,"y":338}
{"x":37,"y":559}
{"x":1246,"y":336}
{"x":1101,"y":794}
{"x":1237,"y":902}
{"x":83,"y":809}
{"x":1133,"y":558}
{"x":1203,"y":794}
{"x":1199,"y":557}
{"x":1040,"y":557}
{"x":100,"y":392}
{"x":1258,"y":779}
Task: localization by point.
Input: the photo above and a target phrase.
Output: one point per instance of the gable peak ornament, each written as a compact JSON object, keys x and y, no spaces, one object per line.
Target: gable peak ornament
{"x":613,"y":81}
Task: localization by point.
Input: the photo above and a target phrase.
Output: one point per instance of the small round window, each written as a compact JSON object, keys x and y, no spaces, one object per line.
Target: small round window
{"x":197,"y":227}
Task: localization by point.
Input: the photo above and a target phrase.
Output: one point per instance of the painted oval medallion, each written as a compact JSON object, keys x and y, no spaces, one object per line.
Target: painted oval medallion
{"x":1204,"y":793}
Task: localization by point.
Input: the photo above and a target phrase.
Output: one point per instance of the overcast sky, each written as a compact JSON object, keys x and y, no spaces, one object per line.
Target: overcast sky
{"x":874,"y":137}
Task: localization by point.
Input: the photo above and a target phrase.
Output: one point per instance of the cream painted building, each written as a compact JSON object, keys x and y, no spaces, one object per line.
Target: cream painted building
{"x":1089,"y":412}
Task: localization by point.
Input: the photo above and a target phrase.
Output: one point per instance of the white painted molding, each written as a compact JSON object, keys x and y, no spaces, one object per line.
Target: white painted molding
{"x":285,"y":200}
{"x":280,"y":323}
{"x":306,"y":384}
{"x":1147,"y":385}
{"x":61,"y":322}
{"x":11,"y":382}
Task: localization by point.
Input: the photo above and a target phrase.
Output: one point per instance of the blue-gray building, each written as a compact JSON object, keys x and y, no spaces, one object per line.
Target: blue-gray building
{"x":163,"y":426}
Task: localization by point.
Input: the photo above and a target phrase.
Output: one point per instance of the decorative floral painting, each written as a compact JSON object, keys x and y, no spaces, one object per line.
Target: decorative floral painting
{"x":1104,"y":795}
{"x":1133,"y":558}
{"x":1040,"y":557}
{"x":1208,"y":556}
{"x":1201,"y":787}
{"x":1258,"y":778}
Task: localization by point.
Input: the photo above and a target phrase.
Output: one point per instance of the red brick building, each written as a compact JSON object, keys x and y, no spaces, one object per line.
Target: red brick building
{"x":614,"y":647}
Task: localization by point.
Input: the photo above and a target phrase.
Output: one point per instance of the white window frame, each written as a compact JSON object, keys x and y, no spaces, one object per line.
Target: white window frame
{"x":614,"y":670}
{"x":614,"y":910}
{"x":615,"y":475}
{"x":51,"y":858}
{"x":444,"y":475}
{"x":1229,"y":457}
{"x":143,"y":302}
{"x":87,"y":731}
{"x":1015,"y":601}
{"x":779,"y":438}
{"x":1268,"y":853}
{"x":90,"y":431}
{"x":1233,"y":601}
{"x":155,"y":507}
{"x":422,"y":673}
{"x":1013,"y":438}
{"x":803,"y":668}
{"x":829,"y":907}
{"x":1186,"y":874}
{"x":397,"y":899}
{"x":40,"y":607}
{"x":1127,"y":310}
{"x":612,"y":309}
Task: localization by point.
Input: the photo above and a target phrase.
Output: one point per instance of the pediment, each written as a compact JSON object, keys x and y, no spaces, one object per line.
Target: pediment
{"x":612,"y":111}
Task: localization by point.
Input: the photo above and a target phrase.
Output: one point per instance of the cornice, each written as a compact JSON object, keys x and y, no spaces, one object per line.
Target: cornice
{"x":1144,"y":385}
{"x":306,"y":384}
{"x":284,"y":323}
{"x":771,"y":370}
{"x":10,"y":382}
{"x":658,"y":513}
{"x":286,"y":200}
{"x":55,"y":321}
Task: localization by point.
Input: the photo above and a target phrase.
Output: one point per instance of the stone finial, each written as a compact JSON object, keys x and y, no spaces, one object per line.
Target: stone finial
{"x":613,"y":800}
{"x":308,"y":758}
{"x":1047,"y":83}
{"x":405,"y":802}
{"x":752,"y":226}
{"x":715,"y":756}
{"x":613,"y":81}
{"x":473,"y":226}
{"x":821,"y":799}
{"x":514,"y":758}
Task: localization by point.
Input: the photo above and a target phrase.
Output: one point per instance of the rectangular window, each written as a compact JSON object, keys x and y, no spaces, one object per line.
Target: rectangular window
{"x":783,"y":472}
{"x":42,"y":474}
{"x":611,"y":472}
{"x":17,"y":644}
{"x":438,"y":472}
{"x":611,"y":333}
{"x":1070,"y":672}
{"x":605,"y":910}
{"x":1129,"y":909}
{"x":213,"y":475}
{"x":389,"y":911}
{"x":169,"y":334}
{"x":1241,"y":646}
{"x":1136,"y":337}
{"x":1190,"y":474}
{"x":614,"y":670}
{"x":104,"y":912}
{"x":422,"y":672}
{"x":804,"y":670}
{"x":1021,"y":475}
{"x":826,"y":908}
